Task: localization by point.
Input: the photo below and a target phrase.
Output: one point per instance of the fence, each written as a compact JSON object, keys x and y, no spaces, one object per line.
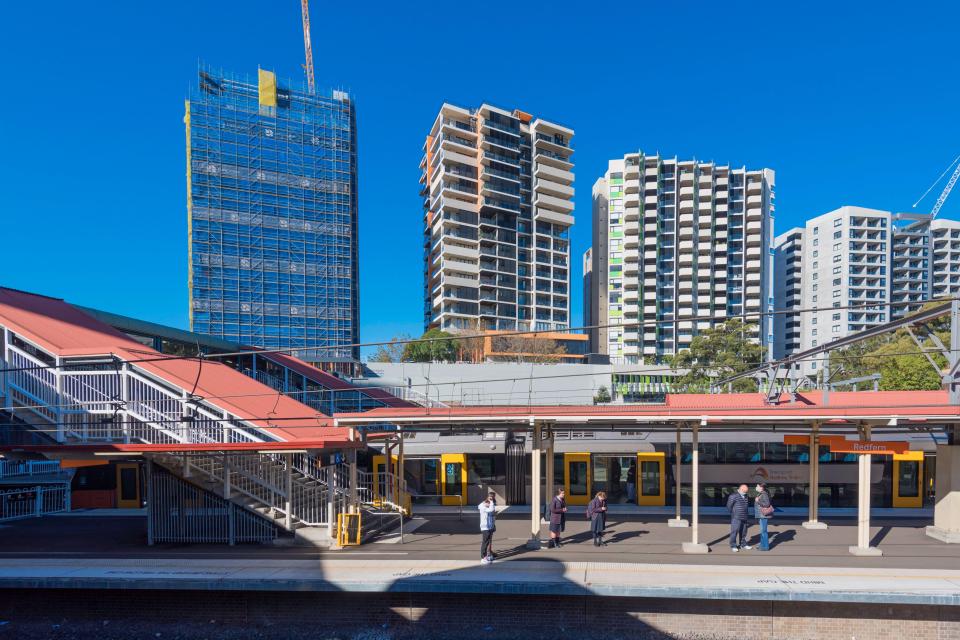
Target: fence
{"x":179,"y":512}
{"x":33,"y":502}
{"x":10,"y":468}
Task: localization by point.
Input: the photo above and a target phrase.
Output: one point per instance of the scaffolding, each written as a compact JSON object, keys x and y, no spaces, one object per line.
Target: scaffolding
{"x":272,"y":208}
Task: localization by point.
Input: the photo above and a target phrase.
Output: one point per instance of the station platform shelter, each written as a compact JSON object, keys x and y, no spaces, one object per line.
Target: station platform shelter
{"x":839,"y":441}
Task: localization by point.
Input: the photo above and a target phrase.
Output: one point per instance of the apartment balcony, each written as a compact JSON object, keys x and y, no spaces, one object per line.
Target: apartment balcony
{"x":685,"y":276}
{"x":459,"y":251}
{"x":631,"y":214}
{"x":548,"y":157}
{"x":542,"y":200}
{"x":631,"y":187}
{"x":685,"y":299}
{"x":548,"y":172}
{"x":631,"y":255}
{"x":548,"y":215}
{"x":550,"y":188}
{"x":753,"y":265}
{"x":458,"y":281}
{"x":631,"y":241}
{"x":686,"y":231}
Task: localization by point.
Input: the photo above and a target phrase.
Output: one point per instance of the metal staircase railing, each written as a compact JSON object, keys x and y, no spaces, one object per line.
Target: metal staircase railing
{"x":116,"y":401}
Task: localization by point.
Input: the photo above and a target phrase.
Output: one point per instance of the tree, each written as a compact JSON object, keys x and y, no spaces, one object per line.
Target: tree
{"x":528,"y":348}
{"x":602,"y":396}
{"x":896,"y":357}
{"x":437,"y":346}
{"x":716,"y":353}
{"x":469,"y":344}
{"x":392,"y":352}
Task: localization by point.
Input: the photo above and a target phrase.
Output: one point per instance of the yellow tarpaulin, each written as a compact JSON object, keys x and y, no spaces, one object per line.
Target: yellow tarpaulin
{"x":267,"y":87}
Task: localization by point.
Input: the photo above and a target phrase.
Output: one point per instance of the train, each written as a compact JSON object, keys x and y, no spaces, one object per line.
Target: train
{"x":459,"y":469}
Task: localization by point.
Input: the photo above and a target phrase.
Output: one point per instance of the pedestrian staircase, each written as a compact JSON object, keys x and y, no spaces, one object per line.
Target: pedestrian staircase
{"x":108,"y":399}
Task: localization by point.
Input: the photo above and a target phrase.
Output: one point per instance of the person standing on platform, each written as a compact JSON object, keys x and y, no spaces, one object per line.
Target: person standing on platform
{"x":632,"y":482}
{"x":763,"y":510}
{"x":739,"y":507}
{"x":597,"y":514}
{"x":558,"y":518}
{"x":488,"y":524}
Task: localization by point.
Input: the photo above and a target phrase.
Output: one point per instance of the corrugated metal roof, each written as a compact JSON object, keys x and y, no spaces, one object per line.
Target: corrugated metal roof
{"x":61,"y":329}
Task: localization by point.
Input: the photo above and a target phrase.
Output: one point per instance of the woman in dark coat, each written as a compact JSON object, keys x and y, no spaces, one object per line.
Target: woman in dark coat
{"x":558,"y":518}
{"x":597,"y":513}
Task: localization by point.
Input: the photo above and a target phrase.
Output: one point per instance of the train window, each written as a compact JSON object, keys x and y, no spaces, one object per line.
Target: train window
{"x":451,"y":471}
{"x":650,"y":478}
{"x":485,"y":469}
{"x":578,"y":477}
{"x":775,"y":452}
{"x":908,"y":484}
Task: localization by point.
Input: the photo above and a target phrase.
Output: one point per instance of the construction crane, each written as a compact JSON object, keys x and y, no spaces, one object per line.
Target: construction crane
{"x":308,"y":50}
{"x":946,"y":190}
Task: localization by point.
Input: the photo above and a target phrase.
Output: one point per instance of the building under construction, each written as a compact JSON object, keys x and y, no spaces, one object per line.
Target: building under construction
{"x":272,"y":215}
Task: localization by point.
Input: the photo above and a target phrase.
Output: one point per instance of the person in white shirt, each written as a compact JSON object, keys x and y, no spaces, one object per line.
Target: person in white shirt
{"x":488,"y":524}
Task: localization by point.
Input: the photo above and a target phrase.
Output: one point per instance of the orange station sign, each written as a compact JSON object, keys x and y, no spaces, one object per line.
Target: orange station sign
{"x":839,"y":444}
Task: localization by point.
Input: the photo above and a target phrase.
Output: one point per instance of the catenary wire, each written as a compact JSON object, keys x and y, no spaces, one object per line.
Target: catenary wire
{"x":360,"y":389}
{"x":507,"y":334}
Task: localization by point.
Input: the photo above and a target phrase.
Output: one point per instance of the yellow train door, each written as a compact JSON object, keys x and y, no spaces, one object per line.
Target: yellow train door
{"x":381,"y":490}
{"x":576,"y":477}
{"x":453,"y":479}
{"x":650,"y":479}
{"x":908,"y":479}
{"x":128,"y":485}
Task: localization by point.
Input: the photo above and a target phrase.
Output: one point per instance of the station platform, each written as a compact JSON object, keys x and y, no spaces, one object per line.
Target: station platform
{"x":641,"y":582}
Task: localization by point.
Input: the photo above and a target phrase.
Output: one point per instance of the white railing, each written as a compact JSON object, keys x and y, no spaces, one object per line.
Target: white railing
{"x":10,"y":468}
{"x":91,"y":405}
{"x":414,"y":396}
{"x":33,"y":502}
{"x":262,"y":478}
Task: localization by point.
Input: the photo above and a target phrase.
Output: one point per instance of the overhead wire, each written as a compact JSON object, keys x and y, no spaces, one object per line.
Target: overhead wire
{"x":298,"y":394}
{"x":639,"y":325}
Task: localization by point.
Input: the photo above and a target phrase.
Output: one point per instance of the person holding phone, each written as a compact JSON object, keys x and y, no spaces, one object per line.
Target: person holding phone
{"x":488,"y":524}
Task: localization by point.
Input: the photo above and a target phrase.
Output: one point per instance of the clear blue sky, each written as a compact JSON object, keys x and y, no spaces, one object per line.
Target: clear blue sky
{"x":849,"y":103}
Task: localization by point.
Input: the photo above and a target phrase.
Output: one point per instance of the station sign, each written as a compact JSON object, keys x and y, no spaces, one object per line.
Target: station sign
{"x":839,"y":444}
{"x":869,"y":448}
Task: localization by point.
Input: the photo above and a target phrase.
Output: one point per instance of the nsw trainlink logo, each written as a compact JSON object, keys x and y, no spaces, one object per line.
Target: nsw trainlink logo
{"x":761,"y":474}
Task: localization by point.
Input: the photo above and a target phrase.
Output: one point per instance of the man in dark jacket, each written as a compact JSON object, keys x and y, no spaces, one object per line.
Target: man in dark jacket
{"x":558,"y":518}
{"x":739,"y":507}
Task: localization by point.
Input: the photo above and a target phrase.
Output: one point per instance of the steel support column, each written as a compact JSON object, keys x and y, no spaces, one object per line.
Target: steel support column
{"x":863,"y":547}
{"x":535,"y":486}
{"x":288,"y":490}
{"x":695,"y":546}
{"x":549,"y":471}
{"x":677,"y":521}
{"x":813,"y":508}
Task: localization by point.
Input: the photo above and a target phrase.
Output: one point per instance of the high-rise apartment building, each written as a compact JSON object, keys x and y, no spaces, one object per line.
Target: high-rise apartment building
{"x":497,"y":191}
{"x":945,"y":247}
{"x":787,"y":292}
{"x":926,"y":261}
{"x":859,"y":268}
{"x":587,"y":308}
{"x":272,"y":214}
{"x":846,"y":275}
{"x":678,"y":247}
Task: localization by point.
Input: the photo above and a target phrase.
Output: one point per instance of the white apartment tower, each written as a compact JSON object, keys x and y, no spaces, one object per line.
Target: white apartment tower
{"x":497,"y":191}
{"x":846,"y":275}
{"x":787,"y":292}
{"x":678,"y":246}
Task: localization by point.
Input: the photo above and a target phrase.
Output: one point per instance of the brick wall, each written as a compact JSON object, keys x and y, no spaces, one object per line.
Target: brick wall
{"x":466,"y":615}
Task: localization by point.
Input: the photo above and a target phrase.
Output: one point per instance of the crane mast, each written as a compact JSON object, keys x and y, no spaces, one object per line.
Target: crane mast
{"x":946,"y":190}
{"x":308,"y":50}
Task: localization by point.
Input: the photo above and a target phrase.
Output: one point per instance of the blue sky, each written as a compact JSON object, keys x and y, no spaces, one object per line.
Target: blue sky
{"x":850,"y":103}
